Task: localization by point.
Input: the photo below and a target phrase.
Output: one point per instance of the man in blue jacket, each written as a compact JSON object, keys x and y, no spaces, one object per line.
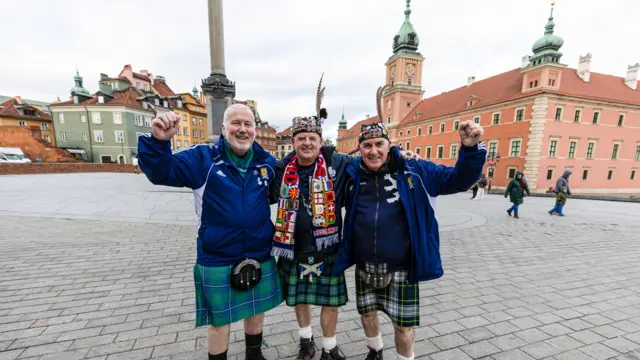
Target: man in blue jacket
{"x":235,"y":276}
{"x":391,"y":232}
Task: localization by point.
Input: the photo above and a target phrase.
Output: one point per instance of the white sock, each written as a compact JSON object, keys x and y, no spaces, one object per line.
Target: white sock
{"x":329,"y":343}
{"x":306,"y":332}
{"x":375,"y":343}
{"x":400,"y":357}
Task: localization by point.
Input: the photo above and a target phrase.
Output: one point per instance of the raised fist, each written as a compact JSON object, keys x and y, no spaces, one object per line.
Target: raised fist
{"x":165,"y":126}
{"x":470,"y":133}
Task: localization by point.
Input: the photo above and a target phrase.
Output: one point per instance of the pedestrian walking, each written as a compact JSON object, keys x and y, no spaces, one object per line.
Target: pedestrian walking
{"x":482,"y":183}
{"x":561,"y":200}
{"x":563,"y":182}
{"x":515,"y":190}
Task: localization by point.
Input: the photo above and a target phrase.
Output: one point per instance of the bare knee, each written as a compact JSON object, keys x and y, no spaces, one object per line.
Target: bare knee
{"x":403,"y":330}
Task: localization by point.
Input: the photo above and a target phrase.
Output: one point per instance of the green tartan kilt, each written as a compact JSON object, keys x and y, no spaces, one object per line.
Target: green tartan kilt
{"x":323,"y":290}
{"x":400,"y":300}
{"x":219,"y":304}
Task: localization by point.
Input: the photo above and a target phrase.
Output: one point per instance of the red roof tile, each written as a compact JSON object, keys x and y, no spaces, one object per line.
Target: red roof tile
{"x":508,"y":86}
{"x":141,"y":77}
{"x":8,"y":109}
{"x":285,"y":132}
{"x":127,"y":98}
{"x":162,"y":88}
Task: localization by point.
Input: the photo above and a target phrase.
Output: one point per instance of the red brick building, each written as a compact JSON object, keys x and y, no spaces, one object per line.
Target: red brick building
{"x":541,"y":118}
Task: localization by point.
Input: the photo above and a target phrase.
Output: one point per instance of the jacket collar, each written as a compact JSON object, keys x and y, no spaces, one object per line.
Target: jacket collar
{"x":259,"y":154}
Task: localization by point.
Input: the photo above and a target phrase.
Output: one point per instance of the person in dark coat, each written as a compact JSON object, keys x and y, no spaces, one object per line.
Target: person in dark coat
{"x":515,"y":190}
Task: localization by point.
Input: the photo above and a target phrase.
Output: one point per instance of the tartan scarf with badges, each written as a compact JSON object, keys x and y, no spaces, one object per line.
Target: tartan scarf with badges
{"x":323,"y":208}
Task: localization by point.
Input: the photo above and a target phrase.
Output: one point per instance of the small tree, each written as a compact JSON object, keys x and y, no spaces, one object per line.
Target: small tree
{"x":327,"y":142}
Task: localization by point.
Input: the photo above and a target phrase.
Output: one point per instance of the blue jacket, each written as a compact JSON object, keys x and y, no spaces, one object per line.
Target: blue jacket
{"x":233,"y":213}
{"x":419,"y":182}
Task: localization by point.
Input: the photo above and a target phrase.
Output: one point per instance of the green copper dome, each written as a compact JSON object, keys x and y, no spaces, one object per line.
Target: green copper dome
{"x":547,"y":48}
{"x":407,"y":38}
{"x":342,"y":124}
{"x":78,"y":89}
{"x":195,"y":92}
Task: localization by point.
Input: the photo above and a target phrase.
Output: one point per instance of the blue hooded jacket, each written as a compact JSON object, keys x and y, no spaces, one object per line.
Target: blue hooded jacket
{"x":419,"y":182}
{"x":233,"y":213}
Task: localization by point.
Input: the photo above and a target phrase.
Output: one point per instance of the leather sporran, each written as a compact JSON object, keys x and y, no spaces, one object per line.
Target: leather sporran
{"x":246,"y":275}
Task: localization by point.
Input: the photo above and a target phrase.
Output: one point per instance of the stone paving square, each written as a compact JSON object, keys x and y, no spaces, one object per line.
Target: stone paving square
{"x":99,"y":266}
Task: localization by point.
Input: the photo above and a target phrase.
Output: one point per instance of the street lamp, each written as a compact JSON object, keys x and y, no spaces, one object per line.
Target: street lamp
{"x":494,"y":159}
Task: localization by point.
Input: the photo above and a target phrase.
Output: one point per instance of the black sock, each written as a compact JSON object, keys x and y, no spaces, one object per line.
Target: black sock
{"x":253,"y":341}
{"x":222,"y":356}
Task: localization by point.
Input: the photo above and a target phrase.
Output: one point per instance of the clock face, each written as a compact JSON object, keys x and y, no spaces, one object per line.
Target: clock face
{"x":392,"y":72}
{"x":411,"y":69}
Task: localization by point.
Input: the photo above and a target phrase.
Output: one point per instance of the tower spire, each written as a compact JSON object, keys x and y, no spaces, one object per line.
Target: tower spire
{"x":342,"y":125}
{"x":407,"y":11}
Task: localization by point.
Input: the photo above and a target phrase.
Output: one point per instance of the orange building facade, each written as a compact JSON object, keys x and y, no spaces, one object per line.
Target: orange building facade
{"x":17,"y":113}
{"x":541,"y":118}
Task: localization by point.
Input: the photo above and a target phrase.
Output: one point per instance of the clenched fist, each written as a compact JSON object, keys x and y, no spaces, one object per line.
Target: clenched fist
{"x":470,"y":133}
{"x":165,"y":126}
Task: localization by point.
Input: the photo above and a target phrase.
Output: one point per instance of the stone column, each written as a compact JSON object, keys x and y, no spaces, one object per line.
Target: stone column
{"x":218,"y":89}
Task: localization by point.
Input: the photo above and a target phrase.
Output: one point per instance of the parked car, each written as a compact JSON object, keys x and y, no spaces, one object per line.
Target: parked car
{"x":12,"y":155}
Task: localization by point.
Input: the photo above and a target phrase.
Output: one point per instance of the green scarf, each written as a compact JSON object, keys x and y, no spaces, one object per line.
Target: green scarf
{"x":242,"y":162}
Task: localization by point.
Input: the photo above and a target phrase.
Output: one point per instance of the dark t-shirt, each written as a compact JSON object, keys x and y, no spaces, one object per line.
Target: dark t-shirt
{"x":303,"y":235}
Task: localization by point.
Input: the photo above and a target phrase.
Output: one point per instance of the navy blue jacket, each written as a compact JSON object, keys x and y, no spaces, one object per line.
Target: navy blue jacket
{"x":419,"y":182}
{"x":233,"y":213}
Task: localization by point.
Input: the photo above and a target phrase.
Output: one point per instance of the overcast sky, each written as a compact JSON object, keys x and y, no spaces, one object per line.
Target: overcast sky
{"x":277,"y":49}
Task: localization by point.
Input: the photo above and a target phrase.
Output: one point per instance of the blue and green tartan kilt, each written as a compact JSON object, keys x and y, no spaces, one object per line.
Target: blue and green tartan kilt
{"x":323,"y":290}
{"x":219,"y":304}
{"x":400,"y":300}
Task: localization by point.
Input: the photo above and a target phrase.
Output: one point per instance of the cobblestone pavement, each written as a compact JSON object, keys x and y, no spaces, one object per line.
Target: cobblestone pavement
{"x":88,"y":275}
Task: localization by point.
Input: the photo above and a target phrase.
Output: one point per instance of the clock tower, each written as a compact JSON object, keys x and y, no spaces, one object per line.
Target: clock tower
{"x":404,"y":76}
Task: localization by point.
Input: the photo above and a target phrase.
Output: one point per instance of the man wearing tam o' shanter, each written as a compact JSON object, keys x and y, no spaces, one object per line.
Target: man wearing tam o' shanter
{"x":308,"y":230}
{"x":390,"y":228}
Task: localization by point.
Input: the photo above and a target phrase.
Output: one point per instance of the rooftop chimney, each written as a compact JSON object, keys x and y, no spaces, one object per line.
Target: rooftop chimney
{"x":631,"y":80}
{"x":584,"y":67}
{"x":525,"y":61}
{"x":19,"y":99}
{"x":471,"y":80}
{"x":103,"y":76}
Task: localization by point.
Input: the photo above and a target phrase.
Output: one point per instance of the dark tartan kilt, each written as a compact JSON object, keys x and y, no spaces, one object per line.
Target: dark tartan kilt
{"x":219,"y":304}
{"x":323,"y":290}
{"x":400,"y":300}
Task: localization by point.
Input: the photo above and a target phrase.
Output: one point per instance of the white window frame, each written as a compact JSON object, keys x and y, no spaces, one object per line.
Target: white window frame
{"x":553,"y":169}
{"x":476,"y":119}
{"x":593,"y":151}
{"x":613,"y":172}
{"x":179,"y":103}
{"x":156,"y":101}
{"x":561,"y":108}
{"x":178,"y":130}
{"x":489,"y":146}
{"x":45,"y":126}
{"x":579,"y":115}
{"x":428,"y":150}
{"x":624,"y":118}
{"x":599,"y":112}
{"x":165,"y":103}
{"x":185,"y":117}
{"x":117,"y":117}
{"x":509,"y":168}
{"x":493,"y":116}
{"x":443,"y":127}
{"x":555,"y":151}
{"x":430,"y":130}
{"x":194,"y":133}
{"x":22,"y":123}
{"x":46,"y":138}
{"x":63,"y":136}
{"x":456,"y":125}
{"x":193,"y":121}
{"x":147,"y":120}
{"x":186,"y":144}
{"x":575,"y":149}
{"x":83,"y":118}
{"x":100,"y":99}
{"x":61,"y":118}
{"x":185,"y":131}
{"x":85,"y":137}
{"x":511,"y":141}
{"x":145,"y":105}
{"x":201,"y":134}
{"x":201,"y":122}
{"x":178,"y":144}
{"x":451,"y":148}
{"x":619,"y":143}
{"x":438,"y":152}
{"x":138,"y":120}
{"x":420,"y":131}
{"x":119,"y":136}
{"x":98,"y":136}
{"x":515,"y":114}
{"x":95,"y":117}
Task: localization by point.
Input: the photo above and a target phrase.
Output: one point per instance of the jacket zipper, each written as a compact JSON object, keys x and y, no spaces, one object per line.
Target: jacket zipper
{"x":375,"y":229}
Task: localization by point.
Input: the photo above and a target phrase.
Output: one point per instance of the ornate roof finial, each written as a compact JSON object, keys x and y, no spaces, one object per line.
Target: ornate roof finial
{"x":407,"y":11}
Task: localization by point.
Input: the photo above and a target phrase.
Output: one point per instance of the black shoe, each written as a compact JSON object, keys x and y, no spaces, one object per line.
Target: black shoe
{"x":254,"y":354}
{"x":307,"y":349}
{"x":516,"y":216}
{"x":509,"y":212}
{"x":374,"y":355}
{"x":333,"y":354}
{"x":550,"y":212}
